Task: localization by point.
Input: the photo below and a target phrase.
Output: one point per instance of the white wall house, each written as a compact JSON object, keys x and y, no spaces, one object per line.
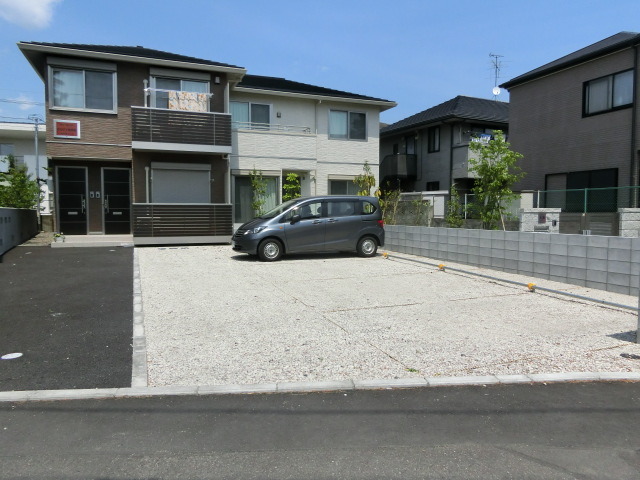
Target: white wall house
{"x":280,"y":127}
{"x":18,"y":139}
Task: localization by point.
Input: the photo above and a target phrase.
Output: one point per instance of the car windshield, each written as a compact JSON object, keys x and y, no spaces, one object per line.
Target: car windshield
{"x":280,"y":209}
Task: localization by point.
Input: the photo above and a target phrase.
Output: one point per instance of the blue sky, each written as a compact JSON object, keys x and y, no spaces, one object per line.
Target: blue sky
{"x":416,"y":53}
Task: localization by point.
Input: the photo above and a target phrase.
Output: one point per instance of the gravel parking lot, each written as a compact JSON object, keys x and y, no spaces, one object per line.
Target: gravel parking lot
{"x":212,"y":316}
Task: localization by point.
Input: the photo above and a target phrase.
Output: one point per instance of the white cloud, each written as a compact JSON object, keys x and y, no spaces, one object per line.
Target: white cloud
{"x":32,"y":14}
{"x":24,"y":102}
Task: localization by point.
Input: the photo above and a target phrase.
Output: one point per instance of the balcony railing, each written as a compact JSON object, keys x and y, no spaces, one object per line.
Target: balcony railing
{"x":158,"y":125}
{"x":270,"y":127}
{"x":402,"y":166}
{"x":182,"y":220}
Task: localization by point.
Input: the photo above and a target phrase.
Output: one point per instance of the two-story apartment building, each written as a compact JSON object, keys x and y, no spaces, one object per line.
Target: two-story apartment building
{"x":429,"y":151}
{"x":141,"y":140}
{"x":575,"y":120}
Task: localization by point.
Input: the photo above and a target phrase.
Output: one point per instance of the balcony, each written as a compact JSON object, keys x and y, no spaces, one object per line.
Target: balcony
{"x":167,"y":223}
{"x":460,"y":162}
{"x":160,"y":129}
{"x":399,"y":166}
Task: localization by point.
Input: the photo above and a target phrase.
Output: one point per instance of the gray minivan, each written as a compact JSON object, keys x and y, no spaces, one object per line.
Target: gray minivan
{"x":328,"y":223}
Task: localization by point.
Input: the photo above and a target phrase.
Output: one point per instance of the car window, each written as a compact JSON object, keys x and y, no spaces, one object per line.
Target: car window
{"x":307,"y":210}
{"x":342,"y":208}
{"x":368,"y":208}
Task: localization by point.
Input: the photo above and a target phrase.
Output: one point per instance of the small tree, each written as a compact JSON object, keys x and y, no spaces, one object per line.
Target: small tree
{"x":389,"y":202}
{"x":258,"y":191}
{"x":454,"y":216}
{"x":366,"y":181}
{"x":17,"y":189}
{"x":496,"y":172}
{"x":291,"y":188}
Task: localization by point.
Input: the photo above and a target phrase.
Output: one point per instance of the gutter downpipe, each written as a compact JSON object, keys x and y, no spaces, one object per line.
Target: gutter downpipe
{"x":635,"y":181}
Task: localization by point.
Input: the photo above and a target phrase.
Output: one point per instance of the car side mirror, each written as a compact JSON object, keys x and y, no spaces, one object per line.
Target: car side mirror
{"x":295,"y":219}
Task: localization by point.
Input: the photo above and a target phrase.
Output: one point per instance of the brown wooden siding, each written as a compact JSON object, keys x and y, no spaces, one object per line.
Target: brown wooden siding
{"x":169,"y":220}
{"x":174,"y":126}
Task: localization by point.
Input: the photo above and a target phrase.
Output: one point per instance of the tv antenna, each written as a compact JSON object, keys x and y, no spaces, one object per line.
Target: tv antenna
{"x":497,"y":65}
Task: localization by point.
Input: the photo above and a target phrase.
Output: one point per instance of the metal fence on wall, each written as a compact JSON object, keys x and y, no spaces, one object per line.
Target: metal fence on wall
{"x":589,"y":200}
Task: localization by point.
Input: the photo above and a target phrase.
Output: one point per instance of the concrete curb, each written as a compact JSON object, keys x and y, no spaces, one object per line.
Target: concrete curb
{"x":139,"y":372}
{"x":307,"y":387}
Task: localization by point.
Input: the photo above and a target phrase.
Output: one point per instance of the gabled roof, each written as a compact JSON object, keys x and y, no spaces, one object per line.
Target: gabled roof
{"x":259,"y":83}
{"x":460,"y":107}
{"x":616,"y":42}
{"x":130,"y":51}
{"x":36,"y":53}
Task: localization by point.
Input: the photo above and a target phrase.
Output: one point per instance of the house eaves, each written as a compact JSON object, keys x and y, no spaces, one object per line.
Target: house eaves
{"x":615,"y":43}
{"x":287,"y":88}
{"x":458,"y":108}
{"x":36,"y":54}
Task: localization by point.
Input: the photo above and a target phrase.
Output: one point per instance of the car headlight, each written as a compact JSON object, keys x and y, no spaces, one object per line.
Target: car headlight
{"x":254,"y":230}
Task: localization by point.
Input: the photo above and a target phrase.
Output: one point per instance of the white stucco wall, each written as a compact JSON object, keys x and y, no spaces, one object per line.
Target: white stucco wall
{"x":315,"y":153}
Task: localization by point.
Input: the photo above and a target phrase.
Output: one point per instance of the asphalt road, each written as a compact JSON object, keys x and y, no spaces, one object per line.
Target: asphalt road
{"x":70,"y":313}
{"x":555,"y":431}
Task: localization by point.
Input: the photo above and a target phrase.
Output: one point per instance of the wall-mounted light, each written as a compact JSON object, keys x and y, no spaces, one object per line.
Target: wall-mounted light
{"x":216,"y":80}
{"x":279,"y":114}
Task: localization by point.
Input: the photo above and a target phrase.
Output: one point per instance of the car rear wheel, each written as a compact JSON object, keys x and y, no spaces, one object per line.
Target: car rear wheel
{"x":270,"y":250}
{"x":367,"y":247}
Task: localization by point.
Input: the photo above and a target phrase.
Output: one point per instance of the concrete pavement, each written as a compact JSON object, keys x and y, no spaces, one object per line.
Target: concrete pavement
{"x":556,"y":431}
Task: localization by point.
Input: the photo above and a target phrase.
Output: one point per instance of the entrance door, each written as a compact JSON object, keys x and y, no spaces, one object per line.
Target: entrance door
{"x":116,"y":200}
{"x":72,"y":200}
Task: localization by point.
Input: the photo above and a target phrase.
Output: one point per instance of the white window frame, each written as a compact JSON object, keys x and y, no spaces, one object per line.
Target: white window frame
{"x":348,"y":137}
{"x":64,"y":64}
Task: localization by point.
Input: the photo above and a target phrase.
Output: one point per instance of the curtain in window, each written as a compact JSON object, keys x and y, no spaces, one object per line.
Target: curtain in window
{"x":623,"y":89}
{"x":68,"y":88}
{"x":598,"y":95}
{"x":244,"y":198}
{"x":338,"y":124}
{"x":239,"y":114}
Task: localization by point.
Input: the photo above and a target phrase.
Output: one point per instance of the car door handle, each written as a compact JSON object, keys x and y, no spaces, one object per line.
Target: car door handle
{"x":332,"y":220}
{"x":315,"y":222}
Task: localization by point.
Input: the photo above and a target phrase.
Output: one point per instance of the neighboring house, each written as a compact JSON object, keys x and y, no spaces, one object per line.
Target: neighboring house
{"x":429,"y":151}
{"x":575,"y":120}
{"x":141,"y":140}
{"x":18,"y":139}
{"x":322,"y":135}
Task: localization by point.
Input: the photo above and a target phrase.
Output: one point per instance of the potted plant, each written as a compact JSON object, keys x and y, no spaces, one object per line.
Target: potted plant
{"x":58,"y":237}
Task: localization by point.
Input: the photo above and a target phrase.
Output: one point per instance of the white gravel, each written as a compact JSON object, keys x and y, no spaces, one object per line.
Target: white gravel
{"x":213,"y":317}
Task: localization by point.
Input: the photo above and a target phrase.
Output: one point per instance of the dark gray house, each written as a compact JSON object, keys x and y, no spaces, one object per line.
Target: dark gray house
{"x":575,"y":120}
{"x":430,"y":150}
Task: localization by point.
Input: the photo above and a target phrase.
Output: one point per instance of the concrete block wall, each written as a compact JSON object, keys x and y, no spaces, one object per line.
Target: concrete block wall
{"x":16,"y":226}
{"x":605,"y":263}
{"x":629,"y":222}
{"x":530,"y":219}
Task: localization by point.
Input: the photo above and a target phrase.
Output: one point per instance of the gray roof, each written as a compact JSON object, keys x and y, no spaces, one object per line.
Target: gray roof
{"x":460,"y":107}
{"x":616,"y":42}
{"x":131,"y":51}
{"x":283,"y":85}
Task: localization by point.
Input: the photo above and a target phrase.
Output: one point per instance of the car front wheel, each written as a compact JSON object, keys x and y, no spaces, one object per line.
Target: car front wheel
{"x":270,"y":250}
{"x":367,"y":247}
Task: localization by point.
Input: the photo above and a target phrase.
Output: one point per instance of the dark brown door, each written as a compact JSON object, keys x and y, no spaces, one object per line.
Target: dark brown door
{"x":116,"y":200}
{"x":72,"y":200}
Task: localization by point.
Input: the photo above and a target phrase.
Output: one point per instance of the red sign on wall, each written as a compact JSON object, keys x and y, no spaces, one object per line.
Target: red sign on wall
{"x":66,"y":128}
